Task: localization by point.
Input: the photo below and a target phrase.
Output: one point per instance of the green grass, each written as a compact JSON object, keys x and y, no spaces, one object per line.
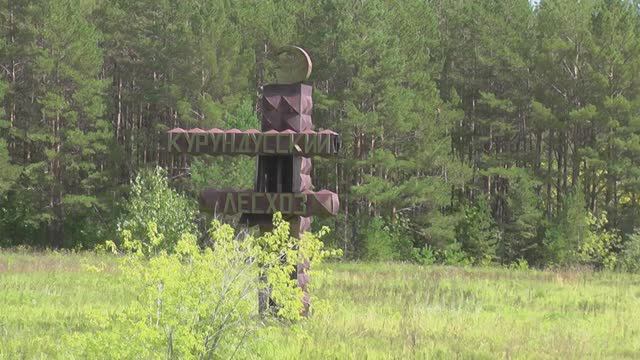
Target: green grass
{"x":370,"y":311}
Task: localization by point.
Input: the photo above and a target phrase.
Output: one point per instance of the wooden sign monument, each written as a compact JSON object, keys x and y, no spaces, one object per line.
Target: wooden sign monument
{"x":284,"y":146}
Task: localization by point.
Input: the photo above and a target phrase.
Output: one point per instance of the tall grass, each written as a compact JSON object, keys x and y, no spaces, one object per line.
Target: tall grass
{"x":47,"y":295}
{"x":398,"y":311}
{"x":366,"y":311}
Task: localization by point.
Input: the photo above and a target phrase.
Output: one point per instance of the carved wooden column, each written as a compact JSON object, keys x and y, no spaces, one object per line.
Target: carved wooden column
{"x":284,"y":148}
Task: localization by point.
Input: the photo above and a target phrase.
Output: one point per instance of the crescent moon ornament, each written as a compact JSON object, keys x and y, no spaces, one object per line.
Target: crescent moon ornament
{"x":293,"y":65}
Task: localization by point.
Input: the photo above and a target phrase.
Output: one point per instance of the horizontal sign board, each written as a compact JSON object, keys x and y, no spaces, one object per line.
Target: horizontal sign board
{"x":253,"y":142}
{"x":309,"y":203}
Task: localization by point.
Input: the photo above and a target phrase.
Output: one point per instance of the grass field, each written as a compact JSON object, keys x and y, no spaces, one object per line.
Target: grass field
{"x":378,"y":311}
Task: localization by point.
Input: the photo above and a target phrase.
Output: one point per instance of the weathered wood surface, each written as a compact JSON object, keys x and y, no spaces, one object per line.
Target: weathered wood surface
{"x":253,"y":142}
{"x":308,"y":203}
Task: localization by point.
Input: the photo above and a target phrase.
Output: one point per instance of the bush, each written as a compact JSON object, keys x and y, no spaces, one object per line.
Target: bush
{"x":579,"y":238}
{"x":520,"y":265}
{"x":153,"y":201}
{"x":378,"y":243}
{"x":201,"y":303}
{"x":569,"y":230}
{"x":630,"y":257}
{"x":455,"y":256}
{"x":384,"y":242}
{"x":599,"y":247}
{"x":424,"y":256}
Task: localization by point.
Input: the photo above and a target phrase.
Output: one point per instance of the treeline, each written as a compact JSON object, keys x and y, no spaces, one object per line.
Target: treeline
{"x":472,"y":130}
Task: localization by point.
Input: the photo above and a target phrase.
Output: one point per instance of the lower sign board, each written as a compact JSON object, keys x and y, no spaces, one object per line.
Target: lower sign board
{"x":321,"y":203}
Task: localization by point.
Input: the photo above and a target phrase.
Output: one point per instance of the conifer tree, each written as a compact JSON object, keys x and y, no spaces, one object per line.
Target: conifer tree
{"x":570,"y":230}
{"x":440,"y":104}
{"x":9,"y":172}
{"x":58,"y":129}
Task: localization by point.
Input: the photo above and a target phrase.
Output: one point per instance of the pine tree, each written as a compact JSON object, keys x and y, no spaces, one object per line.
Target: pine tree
{"x":9,"y":171}
{"x":570,"y":230}
{"x":477,"y":233}
{"x":63,"y":138}
{"x":522,"y":223}
{"x":375,"y":86}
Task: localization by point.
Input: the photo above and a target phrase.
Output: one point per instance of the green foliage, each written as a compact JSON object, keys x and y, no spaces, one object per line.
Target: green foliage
{"x":520,"y":265}
{"x":439,"y":103}
{"x":386,"y":242}
{"x":53,"y":115}
{"x":237,"y":172}
{"x":151,"y":200}
{"x":424,"y":256}
{"x":442,"y":229}
{"x":201,"y":303}
{"x":191,"y":303}
{"x":19,"y":224}
{"x":630,"y":257}
{"x":453,"y":254}
{"x":9,"y":171}
{"x":379,"y":244}
{"x":376,"y":310}
{"x":277,"y":256}
{"x":579,"y":237}
{"x":520,"y":238}
{"x":599,"y":248}
{"x":571,"y":230}
{"x":477,"y":233}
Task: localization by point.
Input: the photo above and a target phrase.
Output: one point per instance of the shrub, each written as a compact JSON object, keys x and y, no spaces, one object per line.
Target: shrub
{"x":630,"y":257}
{"x":569,"y":230}
{"x":520,"y":265}
{"x":153,"y":201}
{"x":579,"y":237}
{"x":201,"y":303}
{"x":454,"y":255}
{"x":386,"y":242}
{"x":599,"y":247}
{"x":424,"y":256}
{"x":378,"y":243}
{"x":191,"y":303}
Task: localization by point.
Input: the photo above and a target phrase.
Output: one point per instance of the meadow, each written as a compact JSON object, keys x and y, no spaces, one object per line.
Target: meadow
{"x":367,"y":311}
